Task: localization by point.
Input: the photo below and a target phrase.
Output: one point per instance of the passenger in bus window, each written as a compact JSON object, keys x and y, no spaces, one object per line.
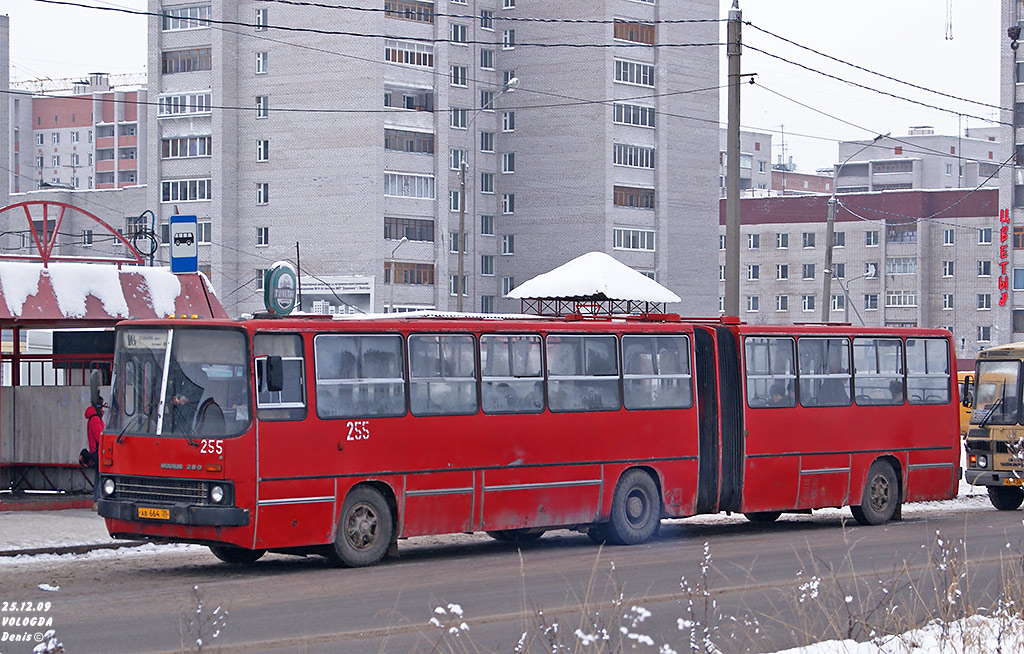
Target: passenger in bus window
{"x":896,"y":390}
{"x":779,"y":396}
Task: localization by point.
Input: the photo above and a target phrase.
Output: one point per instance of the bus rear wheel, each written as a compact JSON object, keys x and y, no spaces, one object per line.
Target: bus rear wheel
{"x":364,"y":529}
{"x":881,"y":496}
{"x":636,"y":509}
{"x":1005,"y":498}
{"x":236,"y":555}
{"x":516,"y":535}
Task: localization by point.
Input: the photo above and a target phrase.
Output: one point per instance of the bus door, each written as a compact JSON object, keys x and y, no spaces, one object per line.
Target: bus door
{"x":720,"y":431}
{"x":295,"y":493}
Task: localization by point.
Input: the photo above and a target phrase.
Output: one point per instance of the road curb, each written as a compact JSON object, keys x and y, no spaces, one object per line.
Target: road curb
{"x":73,"y":549}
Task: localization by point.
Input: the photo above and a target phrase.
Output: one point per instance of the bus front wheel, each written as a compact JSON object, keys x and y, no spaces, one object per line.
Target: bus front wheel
{"x":636,"y":509}
{"x":364,"y":529}
{"x":881,"y":496}
{"x":236,"y":555}
{"x":1005,"y":498}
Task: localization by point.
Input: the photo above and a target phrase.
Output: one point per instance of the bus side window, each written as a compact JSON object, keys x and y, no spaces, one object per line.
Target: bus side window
{"x":656,"y":372}
{"x":583,"y":373}
{"x":359,"y":376}
{"x":878,"y":370}
{"x":770,"y":371}
{"x":928,"y":371}
{"x":290,"y":402}
{"x":511,"y":381}
{"x":442,"y":374}
{"x":824,"y":371}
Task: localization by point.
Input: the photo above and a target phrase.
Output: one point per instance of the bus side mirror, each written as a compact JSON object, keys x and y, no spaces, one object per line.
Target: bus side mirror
{"x":966,"y":392}
{"x":274,"y":369}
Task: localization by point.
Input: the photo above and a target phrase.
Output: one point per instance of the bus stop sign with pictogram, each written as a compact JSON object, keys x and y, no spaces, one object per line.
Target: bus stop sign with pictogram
{"x":184,"y":244}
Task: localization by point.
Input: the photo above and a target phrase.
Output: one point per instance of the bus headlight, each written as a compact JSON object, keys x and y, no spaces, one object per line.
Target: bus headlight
{"x":978,"y":461}
{"x":217,"y":494}
{"x":108,"y":487}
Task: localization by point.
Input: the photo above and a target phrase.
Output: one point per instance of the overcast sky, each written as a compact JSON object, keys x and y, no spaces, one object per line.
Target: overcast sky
{"x":905,"y":39}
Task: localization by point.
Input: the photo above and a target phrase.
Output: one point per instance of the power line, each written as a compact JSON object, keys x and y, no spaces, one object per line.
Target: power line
{"x":327,"y":32}
{"x":870,"y":88}
{"x":872,"y":72}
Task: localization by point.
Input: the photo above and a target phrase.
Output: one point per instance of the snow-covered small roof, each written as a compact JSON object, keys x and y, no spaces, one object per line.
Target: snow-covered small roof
{"x":594,"y":276}
{"x":99,"y":293}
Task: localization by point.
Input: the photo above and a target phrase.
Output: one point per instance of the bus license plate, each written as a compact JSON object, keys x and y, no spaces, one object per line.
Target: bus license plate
{"x":154,"y":514}
{"x":1013,"y":482}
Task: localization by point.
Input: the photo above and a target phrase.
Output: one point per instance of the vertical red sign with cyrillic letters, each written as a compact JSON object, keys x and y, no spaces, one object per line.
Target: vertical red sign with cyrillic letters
{"x":1004,"y":255}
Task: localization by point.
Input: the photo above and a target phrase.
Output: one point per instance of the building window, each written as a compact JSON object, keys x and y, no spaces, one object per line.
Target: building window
{"x":487,"y":59}
{"x":487,"y":265}
{"x":486,"y":19}
{"x":415,"y":10}
{"x":487,"y":225}
{"x":808,"y":271}
{"x":413,"y":229}
{"x":55,"y":161}
{"x":636,"y":32}
{"x":901,"y":298}
{"x":633,"y":239}
{"x":838,"y":303}
{"x":901,"y":265}
{"x":506,"y":78}
{"x":507,"y":284}
{"x":984,"y":301}
{"x":839,"y":239}
{"x":807,"y":303}
{"x":186,"y":61}
{"x":947,"y":301}
{"x":782,"y":271}
{"x":871,"y":301}
{"x":634,"y":114}
{"x":486,"y":304}
{"x":808,"y":239}
{"x":508,"y":244}
{"x":753,"y":272}
{"x":1018,"y":237}
{"x":457,"y":157}
{"x":753,"y":241}
{"x":487,"y":183}
{"x":87,"y":237}
{"x":55,"y":138}
{"x":486,"y":100}
{"x":721,"y":272}
{"x":633,"y":156}
{"x":839,"y":270}
{"x":1018,"y":321}
{"x":753,"y":303}
{"x":633,"y":197}
{"x":486,"y":141}
{"x":261,"y":62}
{"x":782,"y":303}
{"x":411,"y":53}
{"x":1018,"y":279}
{"x":632,"y":72}
{"x":871,"y":238}
{"x":984,"y":333}
{"x":261,"y":20}
{"x":453,"y":243}
{"x":396,"y":140}
{"x":74,"y":137}
{"x":261,"y":275}
{"x":459,"y":74}
{"x":508,"y":203}
{"x":949,"y":236}
{"x":262,"y":106}
{"x":459,"y":118}
{"x":508,"y":39}
{"x":262,"y":236}
{"x":985,"y":236}
{"x":263,"y":150}
{"x":508,"y":121}
{"x":508,"y":162}
{"x":782,"y":241}
{"x":181,"y":104}
{"x":405,"y":185}
{"x":185,"y":147}
{"x":262,"y":193}
{"x":721,"y":242}
{"x":721,"y":304}
{"x":410,"y":273}
{"x":985,"y":268}
{"x":459,"y":32}
{"x":508,"y":4}
{"x":454,"y":200}
{"x":185,"y":190}
{"x":184,"y":18}
{"x":39,"y":138}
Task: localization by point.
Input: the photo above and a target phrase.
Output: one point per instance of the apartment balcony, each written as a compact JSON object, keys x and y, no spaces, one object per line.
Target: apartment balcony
{"x":105,"y":166}
{"x":105,"y":142}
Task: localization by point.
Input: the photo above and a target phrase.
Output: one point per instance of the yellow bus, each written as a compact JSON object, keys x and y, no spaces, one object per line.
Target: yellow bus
{"x":965,"y":379}
{"x":995,"y":434}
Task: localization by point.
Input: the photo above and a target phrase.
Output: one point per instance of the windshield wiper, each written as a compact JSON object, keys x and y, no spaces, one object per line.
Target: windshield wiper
{"x":991,"y":411}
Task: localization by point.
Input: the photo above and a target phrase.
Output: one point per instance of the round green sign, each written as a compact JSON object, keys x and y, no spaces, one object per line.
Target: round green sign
{"x":279,"y":288}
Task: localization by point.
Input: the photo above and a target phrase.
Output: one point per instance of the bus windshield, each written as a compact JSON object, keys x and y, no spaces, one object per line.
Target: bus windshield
{"x":180,"y":382}
{"x":996,"y":401}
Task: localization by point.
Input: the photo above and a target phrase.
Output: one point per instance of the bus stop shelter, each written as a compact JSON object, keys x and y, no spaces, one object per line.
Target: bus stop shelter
{"x":43,"y":395}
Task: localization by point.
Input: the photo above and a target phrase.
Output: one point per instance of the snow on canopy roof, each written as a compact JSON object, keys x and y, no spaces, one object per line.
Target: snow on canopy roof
{"x":62,"y":291}
{"x":594,"y":276}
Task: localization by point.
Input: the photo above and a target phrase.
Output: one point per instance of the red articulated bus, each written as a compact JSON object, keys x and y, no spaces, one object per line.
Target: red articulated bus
{"x":338,"y":437}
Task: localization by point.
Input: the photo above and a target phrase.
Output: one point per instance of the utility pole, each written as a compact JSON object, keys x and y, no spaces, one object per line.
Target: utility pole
{"x":830,"y":231}
{"x":462,"y":230}
{"x":732,"y":168}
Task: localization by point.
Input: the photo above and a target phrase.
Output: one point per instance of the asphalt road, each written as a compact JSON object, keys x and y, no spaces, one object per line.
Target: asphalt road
{"x":759,"y":593}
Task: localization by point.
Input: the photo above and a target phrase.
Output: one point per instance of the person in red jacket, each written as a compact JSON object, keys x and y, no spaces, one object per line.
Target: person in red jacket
{"x":94,"y":421}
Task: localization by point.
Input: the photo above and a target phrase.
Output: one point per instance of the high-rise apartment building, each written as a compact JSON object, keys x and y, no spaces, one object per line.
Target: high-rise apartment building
{"x":346,"y":142}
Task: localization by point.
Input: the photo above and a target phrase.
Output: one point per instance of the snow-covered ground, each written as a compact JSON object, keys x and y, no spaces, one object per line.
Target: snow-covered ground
{"x":974,"y":635}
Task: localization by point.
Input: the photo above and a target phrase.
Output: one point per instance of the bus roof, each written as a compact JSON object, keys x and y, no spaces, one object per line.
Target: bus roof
{"x":1008,"y":351}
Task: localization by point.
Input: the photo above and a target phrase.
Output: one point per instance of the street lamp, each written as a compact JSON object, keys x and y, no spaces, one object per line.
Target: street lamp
{"x":830,"y":227}
{"x":461,"y":245}
{"x":872,"y":273}
{"x":395,"y":249}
